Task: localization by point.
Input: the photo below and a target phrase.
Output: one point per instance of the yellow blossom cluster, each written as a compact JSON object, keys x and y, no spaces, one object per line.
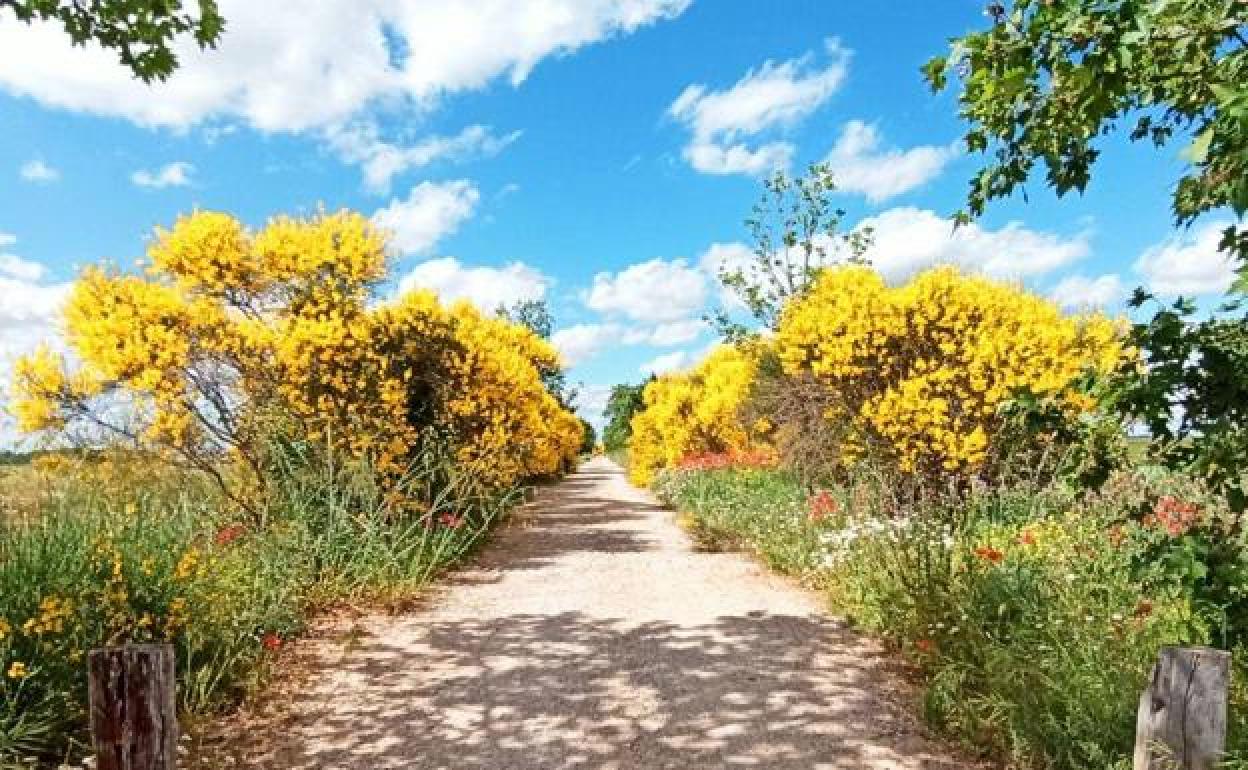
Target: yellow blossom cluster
{"x":918,"y":372}
{"x":693,"y":412}
{"x":231,"y":330}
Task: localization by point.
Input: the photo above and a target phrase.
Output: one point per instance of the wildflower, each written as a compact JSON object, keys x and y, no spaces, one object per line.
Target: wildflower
{"x":821,"y":506}
{"x":18,"y":670}
{"x":925,"y":646}
{"x":1173,"y":515}
{"x":229,"y":534}
{"x":450,"y":520}
{"x":1027,"y":538}
{"x":5,"y":628}
{"x":989,"y":554}
{"x":271,"y":642}
{"x":186,"y":565}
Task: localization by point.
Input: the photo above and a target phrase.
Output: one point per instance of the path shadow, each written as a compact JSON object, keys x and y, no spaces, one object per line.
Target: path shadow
{"x":570,"y":691}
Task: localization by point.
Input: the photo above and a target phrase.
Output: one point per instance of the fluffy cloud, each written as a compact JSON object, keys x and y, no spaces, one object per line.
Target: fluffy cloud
{"x":1079,"y":292}
{"x":289,"y":66}
{"x":39,"y":172}
{"x":28,"y":310}
{"x":775,"y":96}
{"x":591,"y":402}
{"x":486,"y":287}
{"x":582,"y":342}
{"x":909,"y":239}
{"x":431,"y":211}
{"x":862,"y":166}
{"x":361,"y":144}
{"x":656,"y":291}
{"x":176,"y":174}
{"x":667,"y":362}
{"x":1188,"y":263}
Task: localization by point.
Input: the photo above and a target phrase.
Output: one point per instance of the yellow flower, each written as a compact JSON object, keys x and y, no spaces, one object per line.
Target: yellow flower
{"x":18,"y":670}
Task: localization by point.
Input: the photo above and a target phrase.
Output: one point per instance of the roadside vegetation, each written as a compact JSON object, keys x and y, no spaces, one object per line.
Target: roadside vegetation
{"x":267,"y":437}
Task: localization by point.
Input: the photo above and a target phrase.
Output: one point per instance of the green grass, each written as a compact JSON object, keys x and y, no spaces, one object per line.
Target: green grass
{"x":134,"y":557}
{"x":1029,"y":624}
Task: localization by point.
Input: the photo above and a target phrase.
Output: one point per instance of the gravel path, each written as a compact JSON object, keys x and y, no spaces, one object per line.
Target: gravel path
{"x":591,"y":635}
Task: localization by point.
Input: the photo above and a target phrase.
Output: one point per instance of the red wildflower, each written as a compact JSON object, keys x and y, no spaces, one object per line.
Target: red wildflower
{"x":1026,"y":538}
{"x":925,"y":646}
{"x":1173,"y":515}
{"x":229,"y":534}
{"x":822,"y":505}
{"x":989,"y":554}
{"x":271,"y":642}
{"x":449,"y":519}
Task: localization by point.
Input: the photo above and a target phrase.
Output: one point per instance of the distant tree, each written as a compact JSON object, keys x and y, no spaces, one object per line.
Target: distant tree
{"x":589,"y":437}
{"x":1049,"y":78}
{"x":795,"y":230}
{"x":141,"y":31}
{"x":536,"y":316}
{"x":624,"y":402}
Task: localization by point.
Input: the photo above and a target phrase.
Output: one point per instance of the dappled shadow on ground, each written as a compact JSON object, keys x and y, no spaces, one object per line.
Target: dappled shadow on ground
{"x":570,"y":691}
{"x":641,"y":667}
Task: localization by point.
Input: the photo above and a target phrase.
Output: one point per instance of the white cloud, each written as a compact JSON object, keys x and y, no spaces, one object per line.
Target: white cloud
{"x":677,"y":332}
{"x":431,"y":211}
{"x":860,"y":165}
{"x":286,"y":65}
{"x":591,"y":402}
{"x":361,"y":143}
{"x":486,"y":287}
{"x":38,"y":172}
{"x":28,"y":310}
{"x":710,"y":158}
{"x":656,"y":291}
{"x":908,"y":239}
{"x":775,"y":96}
{"x":1188,"y":263}
{"x":1079,"y":292}
{"x":176,"y":174}
{"x":582,"y":342}
{"x":667,"y":362}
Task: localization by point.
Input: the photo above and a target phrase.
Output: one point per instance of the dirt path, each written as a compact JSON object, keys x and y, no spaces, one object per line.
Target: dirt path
{"x":590,"y":635}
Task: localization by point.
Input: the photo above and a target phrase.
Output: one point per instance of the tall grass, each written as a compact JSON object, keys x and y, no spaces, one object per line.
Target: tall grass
{"x":116,"y":553}
{"x":1022,"y":606}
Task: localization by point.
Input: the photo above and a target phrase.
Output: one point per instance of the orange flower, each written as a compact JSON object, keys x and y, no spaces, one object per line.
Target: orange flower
{"x":271,"y":642}
{"x":1026,"y":538}
{"x":822,"y":505}
{"x":989,"y":554}
{"x":925,"y":646}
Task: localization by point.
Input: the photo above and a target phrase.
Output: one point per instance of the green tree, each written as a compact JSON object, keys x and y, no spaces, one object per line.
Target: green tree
{"x":624,"y":402}
{"x":141,"y":31}
{"x":1049,"y":78}
{"x":794,"y":230}
{"x":536,"y":316}
{"x":589,"y":437}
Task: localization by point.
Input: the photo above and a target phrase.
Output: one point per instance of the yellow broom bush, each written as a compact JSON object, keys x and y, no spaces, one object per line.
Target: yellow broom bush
{"x":227,"y":328}
{"x":918,"y":372}
{"x":693,"y":412}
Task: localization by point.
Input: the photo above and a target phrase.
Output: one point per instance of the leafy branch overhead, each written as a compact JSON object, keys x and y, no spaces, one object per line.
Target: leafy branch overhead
{"x":141,"y":31}
{"x":1049,"y":78}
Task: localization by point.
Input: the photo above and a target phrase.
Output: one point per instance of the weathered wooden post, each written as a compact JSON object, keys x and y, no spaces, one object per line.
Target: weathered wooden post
{"x":1181,"y":724}
{"x":131,"y":695}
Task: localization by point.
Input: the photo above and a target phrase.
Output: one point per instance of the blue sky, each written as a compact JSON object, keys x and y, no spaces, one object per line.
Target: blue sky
{"x":601,"y":154}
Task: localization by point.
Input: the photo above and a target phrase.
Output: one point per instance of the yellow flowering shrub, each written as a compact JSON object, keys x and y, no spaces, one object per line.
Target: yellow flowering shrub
{"x":229,"y":330}
{"x":918,"y":372}
{"x":692,"y":412}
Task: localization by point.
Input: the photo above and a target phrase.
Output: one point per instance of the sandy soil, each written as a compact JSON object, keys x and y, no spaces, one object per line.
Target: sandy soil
{"x":590,"y":634}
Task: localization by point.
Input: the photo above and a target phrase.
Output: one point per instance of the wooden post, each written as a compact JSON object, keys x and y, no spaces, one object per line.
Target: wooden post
{"x":1181,"y":724}
{"x":131,"y":695}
